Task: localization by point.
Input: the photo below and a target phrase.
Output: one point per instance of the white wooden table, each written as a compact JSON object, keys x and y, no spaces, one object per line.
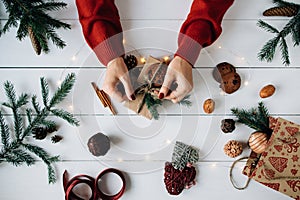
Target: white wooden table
{"x":140,"y":147}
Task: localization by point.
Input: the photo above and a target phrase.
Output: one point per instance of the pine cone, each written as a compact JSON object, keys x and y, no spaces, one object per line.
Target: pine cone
{"x":56,"y":138}
{"x":39,"y":133}
{"x":233,"y":148}
{"x":287,"y":11}
{"x":130,"y":61}
{"x":227,"y":125}
{"x":34,"y":41}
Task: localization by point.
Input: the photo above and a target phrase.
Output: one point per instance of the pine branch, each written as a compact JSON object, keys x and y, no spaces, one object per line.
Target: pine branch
{"x":291,"y":28}
{"x":185,"y":101}
{"x":34,"y":13}
{"x":65,"y":115}
{"x":268,"y":50}
{"x":284,"y":52}
{"x":152,"y":104}
{"x":48,"y":160}
{"x":4,"y":132}
{"x":14,"y":149}
{"x":45,"y":91}
{"x":284,"y":3}
{"x":63,"y":90}
{"x":255,"y":118}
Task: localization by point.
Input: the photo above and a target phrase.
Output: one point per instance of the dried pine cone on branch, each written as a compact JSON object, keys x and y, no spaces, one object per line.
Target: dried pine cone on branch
{"x":287,"y":11}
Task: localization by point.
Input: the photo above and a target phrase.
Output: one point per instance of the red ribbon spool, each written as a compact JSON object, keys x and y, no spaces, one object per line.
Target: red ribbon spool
{"x":93,"y":184}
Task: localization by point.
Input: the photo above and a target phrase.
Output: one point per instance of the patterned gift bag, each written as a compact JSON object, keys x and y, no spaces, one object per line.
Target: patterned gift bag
{"x":279,"y":166}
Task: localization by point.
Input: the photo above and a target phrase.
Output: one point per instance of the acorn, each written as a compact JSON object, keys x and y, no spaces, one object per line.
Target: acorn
{"x":258,"y":142}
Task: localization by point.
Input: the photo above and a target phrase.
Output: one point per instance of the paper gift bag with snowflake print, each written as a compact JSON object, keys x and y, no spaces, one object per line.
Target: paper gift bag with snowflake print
{"x":279,"y":166}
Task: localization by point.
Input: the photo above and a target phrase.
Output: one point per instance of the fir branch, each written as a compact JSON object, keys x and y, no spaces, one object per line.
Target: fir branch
{"x":65,"y":115}
{"x":45,"y":91}
{"x":284,"y":3}
{"x":266,"y":27}
{"x":63,"y":90}
{"x":291,"y":28}
{"x":268,"y":50}
{"x":185,"y":101}
{"x":255,"y":118}
{"x":35,"y":104}
{"x":284,"y":52}
{"x":14,"y":149}
{"x":152,"y":104}
{"x":48,"y":160}
{"x":18,"y":157}
{"x":34,"y":13}
{"x":4,"y":132}
{"x":29,"y":112}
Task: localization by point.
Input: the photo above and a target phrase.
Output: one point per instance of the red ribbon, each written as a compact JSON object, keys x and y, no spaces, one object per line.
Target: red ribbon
{"x":93,"y":184}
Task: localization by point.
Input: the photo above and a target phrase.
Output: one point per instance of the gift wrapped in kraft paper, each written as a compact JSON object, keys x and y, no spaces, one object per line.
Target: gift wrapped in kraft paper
{"x":149,"y":82}
{"x":278,"y":167}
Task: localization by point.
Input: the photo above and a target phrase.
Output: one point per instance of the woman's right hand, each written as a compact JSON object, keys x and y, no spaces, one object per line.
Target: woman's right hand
{"x":117,"y":73}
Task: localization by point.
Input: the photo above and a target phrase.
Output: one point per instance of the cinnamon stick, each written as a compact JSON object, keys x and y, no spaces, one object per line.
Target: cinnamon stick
{"x":104,"y":98}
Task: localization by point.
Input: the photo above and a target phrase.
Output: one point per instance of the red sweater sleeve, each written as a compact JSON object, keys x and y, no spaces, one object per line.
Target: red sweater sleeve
{"x":101,"y":27}
{"x":201,"y":28}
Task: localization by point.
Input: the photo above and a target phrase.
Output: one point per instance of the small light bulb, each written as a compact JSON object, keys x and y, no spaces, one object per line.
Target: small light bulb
{"x":124,"y":41}
{"x":73,"y":58}
{"x":220,"y":47}
{"x":242,"y":58}
{"x":71,"y":108}
{"x":58,"y":83}
{"x":120,"y":160}
{"x":213,"y":165}
{"x":246,"y":83}
{"x":168,"y":141}
{"x":222,"y":93}
{"x":143,"y":60}
{"x":166,"y":58}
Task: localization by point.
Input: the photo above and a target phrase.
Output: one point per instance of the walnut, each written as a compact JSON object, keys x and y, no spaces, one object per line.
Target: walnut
{"x":233,"y":148}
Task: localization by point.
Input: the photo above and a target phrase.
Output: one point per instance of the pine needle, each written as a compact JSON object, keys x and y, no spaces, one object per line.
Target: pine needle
{"x":14,"y":149}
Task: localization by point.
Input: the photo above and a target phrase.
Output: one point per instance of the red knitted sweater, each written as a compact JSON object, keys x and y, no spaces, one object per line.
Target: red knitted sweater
{"x":101,"y":27}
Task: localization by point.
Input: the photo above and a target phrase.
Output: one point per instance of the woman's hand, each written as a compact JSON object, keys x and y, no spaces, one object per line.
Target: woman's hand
{"x":117,"y":73}
{"x":179,"y":73}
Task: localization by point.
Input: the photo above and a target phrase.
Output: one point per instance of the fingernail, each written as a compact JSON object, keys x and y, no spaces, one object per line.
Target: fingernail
{"x":161,"y":95}
{"x":132,"y":97}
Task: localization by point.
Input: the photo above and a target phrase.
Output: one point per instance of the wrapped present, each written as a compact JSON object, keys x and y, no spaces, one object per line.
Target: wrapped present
{"x":147,"y":87}
{"x":278,"y":167}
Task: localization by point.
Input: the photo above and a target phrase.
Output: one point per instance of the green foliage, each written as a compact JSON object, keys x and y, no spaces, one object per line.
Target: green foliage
{"x":184,"y":154}
{"x":25,"y":14}
{"x":15,"y":149}
{"x":255,"y":118}
{"x":292,"y":28}
{"x":152,"y":104}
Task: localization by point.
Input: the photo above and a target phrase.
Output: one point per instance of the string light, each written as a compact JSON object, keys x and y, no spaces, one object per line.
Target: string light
{"x":220,"y":47}
{"x":71,"y":107}
{"x":222,"y":93}
{"x":124,"y":41}
{"x":120,"y":160}
{"x":73,"y":58}
{"x":213,"y":165}
{"x":58,"y":83}
{"x":143,"y":60}
{"x":166,"y":58}
{"x":168,"y":141}
{"x":246,"y":83}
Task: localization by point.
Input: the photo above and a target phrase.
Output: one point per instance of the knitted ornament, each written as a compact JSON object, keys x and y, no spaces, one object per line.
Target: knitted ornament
{"x":233,"y":148}
{"x":130,"y":61}
{"x":178,"y":180}
{"x":184,"y":154}
{"x":180,"y":174}
{"x":227,"y":125}
{"x":34,"y":41}
{"x":287,"y":11}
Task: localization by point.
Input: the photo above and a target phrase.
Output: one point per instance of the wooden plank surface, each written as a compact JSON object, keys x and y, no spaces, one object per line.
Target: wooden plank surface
{"x":141,"y":147}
